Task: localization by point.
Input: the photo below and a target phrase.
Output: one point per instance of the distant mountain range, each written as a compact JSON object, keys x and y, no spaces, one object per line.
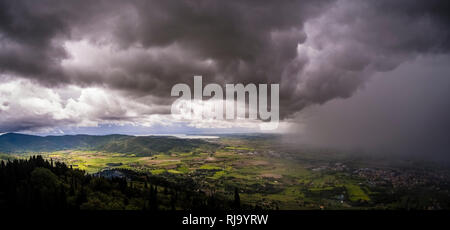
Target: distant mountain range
{"x":139,"y":145}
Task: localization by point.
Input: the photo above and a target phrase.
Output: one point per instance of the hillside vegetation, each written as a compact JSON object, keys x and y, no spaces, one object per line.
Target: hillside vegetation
{"x":142,"y":146}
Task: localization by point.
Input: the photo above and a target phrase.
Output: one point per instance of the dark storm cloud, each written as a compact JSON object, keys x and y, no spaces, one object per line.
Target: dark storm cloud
{"x":245,"y":41}
{"x":352,"y":40}
{"x":316,"y":50}
{"x":32,"y":32}
{"x":405,"y":111}
{"x":248,"y":41}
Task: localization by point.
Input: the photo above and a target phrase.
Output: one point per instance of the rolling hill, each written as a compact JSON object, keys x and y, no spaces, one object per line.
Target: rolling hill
{"x":139,"y":145}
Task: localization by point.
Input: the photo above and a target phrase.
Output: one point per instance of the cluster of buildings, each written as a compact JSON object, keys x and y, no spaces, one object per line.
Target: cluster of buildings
{"x":397,"y":178}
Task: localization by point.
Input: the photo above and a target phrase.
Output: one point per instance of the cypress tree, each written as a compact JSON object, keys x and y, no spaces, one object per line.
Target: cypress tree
{"x":237,"y":199}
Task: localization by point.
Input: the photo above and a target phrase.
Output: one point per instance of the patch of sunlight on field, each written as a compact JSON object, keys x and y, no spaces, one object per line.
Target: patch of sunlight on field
{"x":355,"y":193}
{"x":157,"y":171}
{"x":210,"y":167}
{"x":218,"y":175}
{"x":183,"y":169}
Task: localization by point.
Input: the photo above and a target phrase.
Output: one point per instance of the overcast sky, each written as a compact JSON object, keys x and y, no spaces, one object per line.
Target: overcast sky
{"x":346,"y":68}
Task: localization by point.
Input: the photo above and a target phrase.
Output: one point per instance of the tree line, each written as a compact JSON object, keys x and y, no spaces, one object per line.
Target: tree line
{"x":39,"y":184}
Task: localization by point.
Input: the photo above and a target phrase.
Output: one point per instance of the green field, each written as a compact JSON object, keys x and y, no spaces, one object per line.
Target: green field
{"x":270,"y":182}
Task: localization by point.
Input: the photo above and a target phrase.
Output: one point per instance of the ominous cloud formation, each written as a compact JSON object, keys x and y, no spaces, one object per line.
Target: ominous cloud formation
{"x":352,"y":40}
{"x":405,"y":111}
{"x":135,"y":51}
{"x":153,"y":44}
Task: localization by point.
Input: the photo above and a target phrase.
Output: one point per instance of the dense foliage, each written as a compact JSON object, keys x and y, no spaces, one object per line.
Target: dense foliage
{"x":39,"y":184}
